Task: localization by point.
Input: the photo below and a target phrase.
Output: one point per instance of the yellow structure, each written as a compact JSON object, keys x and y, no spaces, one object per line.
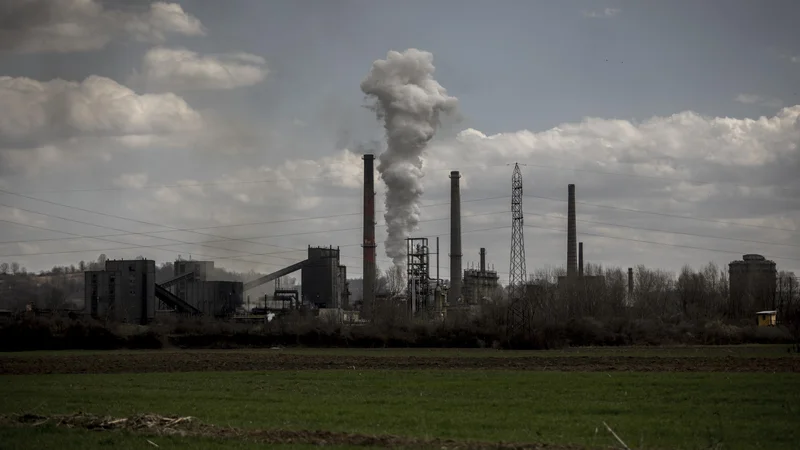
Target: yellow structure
{"x":767,"y":318}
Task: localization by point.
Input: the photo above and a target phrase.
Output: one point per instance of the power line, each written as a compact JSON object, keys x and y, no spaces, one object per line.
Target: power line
{"x":238,"y":257}
{"x":559,"y":230}
{"x":668,"y":232}
{"x":481,"y":166}
{"x":642,"y":211}
{"x":250,"y":240}
{"x":291,"y":249}
{"x":222,"y":239}
{"x":272,"y":253}
{"x":183,"y":185}
{"x":219,"y":183}
{"x":267,"y":222}
{"x":652,"y":177}
{"x":660,"y":243}
{"x":118,"y":229}
{"x":534,"y":196}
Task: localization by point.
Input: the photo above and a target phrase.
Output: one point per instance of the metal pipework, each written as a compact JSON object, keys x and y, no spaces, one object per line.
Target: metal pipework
{"x":369,"y":232}
{"x":455,"y":238}
{"x":572,"y":263}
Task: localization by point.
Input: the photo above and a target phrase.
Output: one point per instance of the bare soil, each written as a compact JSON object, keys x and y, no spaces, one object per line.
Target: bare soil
{"x":155,"y":425}
{"x":211,"y":360}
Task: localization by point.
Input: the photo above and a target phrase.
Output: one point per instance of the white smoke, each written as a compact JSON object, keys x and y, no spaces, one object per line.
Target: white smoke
{"x":409,"y":101}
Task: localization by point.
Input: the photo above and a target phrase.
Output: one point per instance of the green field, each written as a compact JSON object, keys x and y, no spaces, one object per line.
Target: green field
{"x":710,"y":351}
{"x":656,"y":410}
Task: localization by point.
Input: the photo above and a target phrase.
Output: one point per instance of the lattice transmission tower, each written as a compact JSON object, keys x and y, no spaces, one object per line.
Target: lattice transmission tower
{"x":518,"y":315}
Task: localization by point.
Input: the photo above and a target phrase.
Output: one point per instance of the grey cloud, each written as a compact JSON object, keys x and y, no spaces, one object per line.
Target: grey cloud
{"x":606,"y":13}
{"x":63,"y":124}
{"x":33,"y":111}
{"x":161,"y":19}
{"x":174,"y":69}
{"x":308,"y":188}
{"x":744,"y":161}
{"x":753,"y":99}
{"x":36,"y":26}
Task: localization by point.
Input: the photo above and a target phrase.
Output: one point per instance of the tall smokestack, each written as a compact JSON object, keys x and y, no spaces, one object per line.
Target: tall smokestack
{"x":455,"y":238}
{"x":580,"y":259}
{"x":630,"y":281}
{"x":572,"y":263}
{"x":369,"y":232}
{"x":483,"y":260}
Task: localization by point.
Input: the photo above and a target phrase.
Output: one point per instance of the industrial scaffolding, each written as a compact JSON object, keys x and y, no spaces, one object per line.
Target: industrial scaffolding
{"x":423,"y":292}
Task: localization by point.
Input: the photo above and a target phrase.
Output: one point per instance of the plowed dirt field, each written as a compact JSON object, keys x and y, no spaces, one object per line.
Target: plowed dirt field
{"x":201,"y":360}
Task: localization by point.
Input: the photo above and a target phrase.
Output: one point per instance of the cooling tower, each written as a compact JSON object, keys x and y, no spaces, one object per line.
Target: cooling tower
{"x":572,"y":260}
{"x":455,"y":238}
{"x":369,"y":232}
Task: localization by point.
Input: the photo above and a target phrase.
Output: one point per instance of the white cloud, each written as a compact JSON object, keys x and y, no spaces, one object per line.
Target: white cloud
{"x":684,"y":137}
{"x":296,"y":181}
{"x":747,"y":163}
{"x":32,"y":111}
{"x":751,"y":99}
{"x":163,"y":18}
{"x":606,"y":13}
{"x":181,"y":69}
{"x":43,"y":122}
{"x":131,"y":180}
{"x":61,"y":124}
{"x":748,"y":99}
{"x":34,"y":26}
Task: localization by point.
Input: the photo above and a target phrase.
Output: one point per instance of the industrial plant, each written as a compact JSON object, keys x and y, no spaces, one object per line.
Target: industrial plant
{"x":753,"y":285}
{"x":127,"y":291}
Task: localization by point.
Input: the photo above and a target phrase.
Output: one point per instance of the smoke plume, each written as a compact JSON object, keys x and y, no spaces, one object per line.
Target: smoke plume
{"x":408,"y":100}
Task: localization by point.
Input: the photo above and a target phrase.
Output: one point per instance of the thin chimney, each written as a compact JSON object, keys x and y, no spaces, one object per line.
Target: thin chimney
{"x":455,"y":238}
{"x":369,"y":234}
{"x":580,"y":259}
{"x":630,"y":281}
{"x":572,"y":263}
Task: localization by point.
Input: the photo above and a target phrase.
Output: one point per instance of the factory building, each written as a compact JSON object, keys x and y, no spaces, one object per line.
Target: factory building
{"x":479,"y":284}
{"x":123,"y":292}
{"x":211,"y":298}
{"x":753,"y":284}
{"x":324,"y":279}
{"x":199,"y":271}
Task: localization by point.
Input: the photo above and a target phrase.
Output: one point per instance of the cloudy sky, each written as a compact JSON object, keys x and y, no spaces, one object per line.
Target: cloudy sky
{"x":233,"y":130}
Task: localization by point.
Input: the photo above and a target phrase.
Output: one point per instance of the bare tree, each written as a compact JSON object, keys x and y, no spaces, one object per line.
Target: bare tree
{"x":4,"y":268}
{"x":651,"y":293}
{"x":392,"y":282}
{"x":788,"y":290}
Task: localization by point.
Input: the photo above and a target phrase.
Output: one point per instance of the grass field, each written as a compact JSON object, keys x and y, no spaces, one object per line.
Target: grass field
{"x":405,"y":393}
{"x":647,"y":410}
